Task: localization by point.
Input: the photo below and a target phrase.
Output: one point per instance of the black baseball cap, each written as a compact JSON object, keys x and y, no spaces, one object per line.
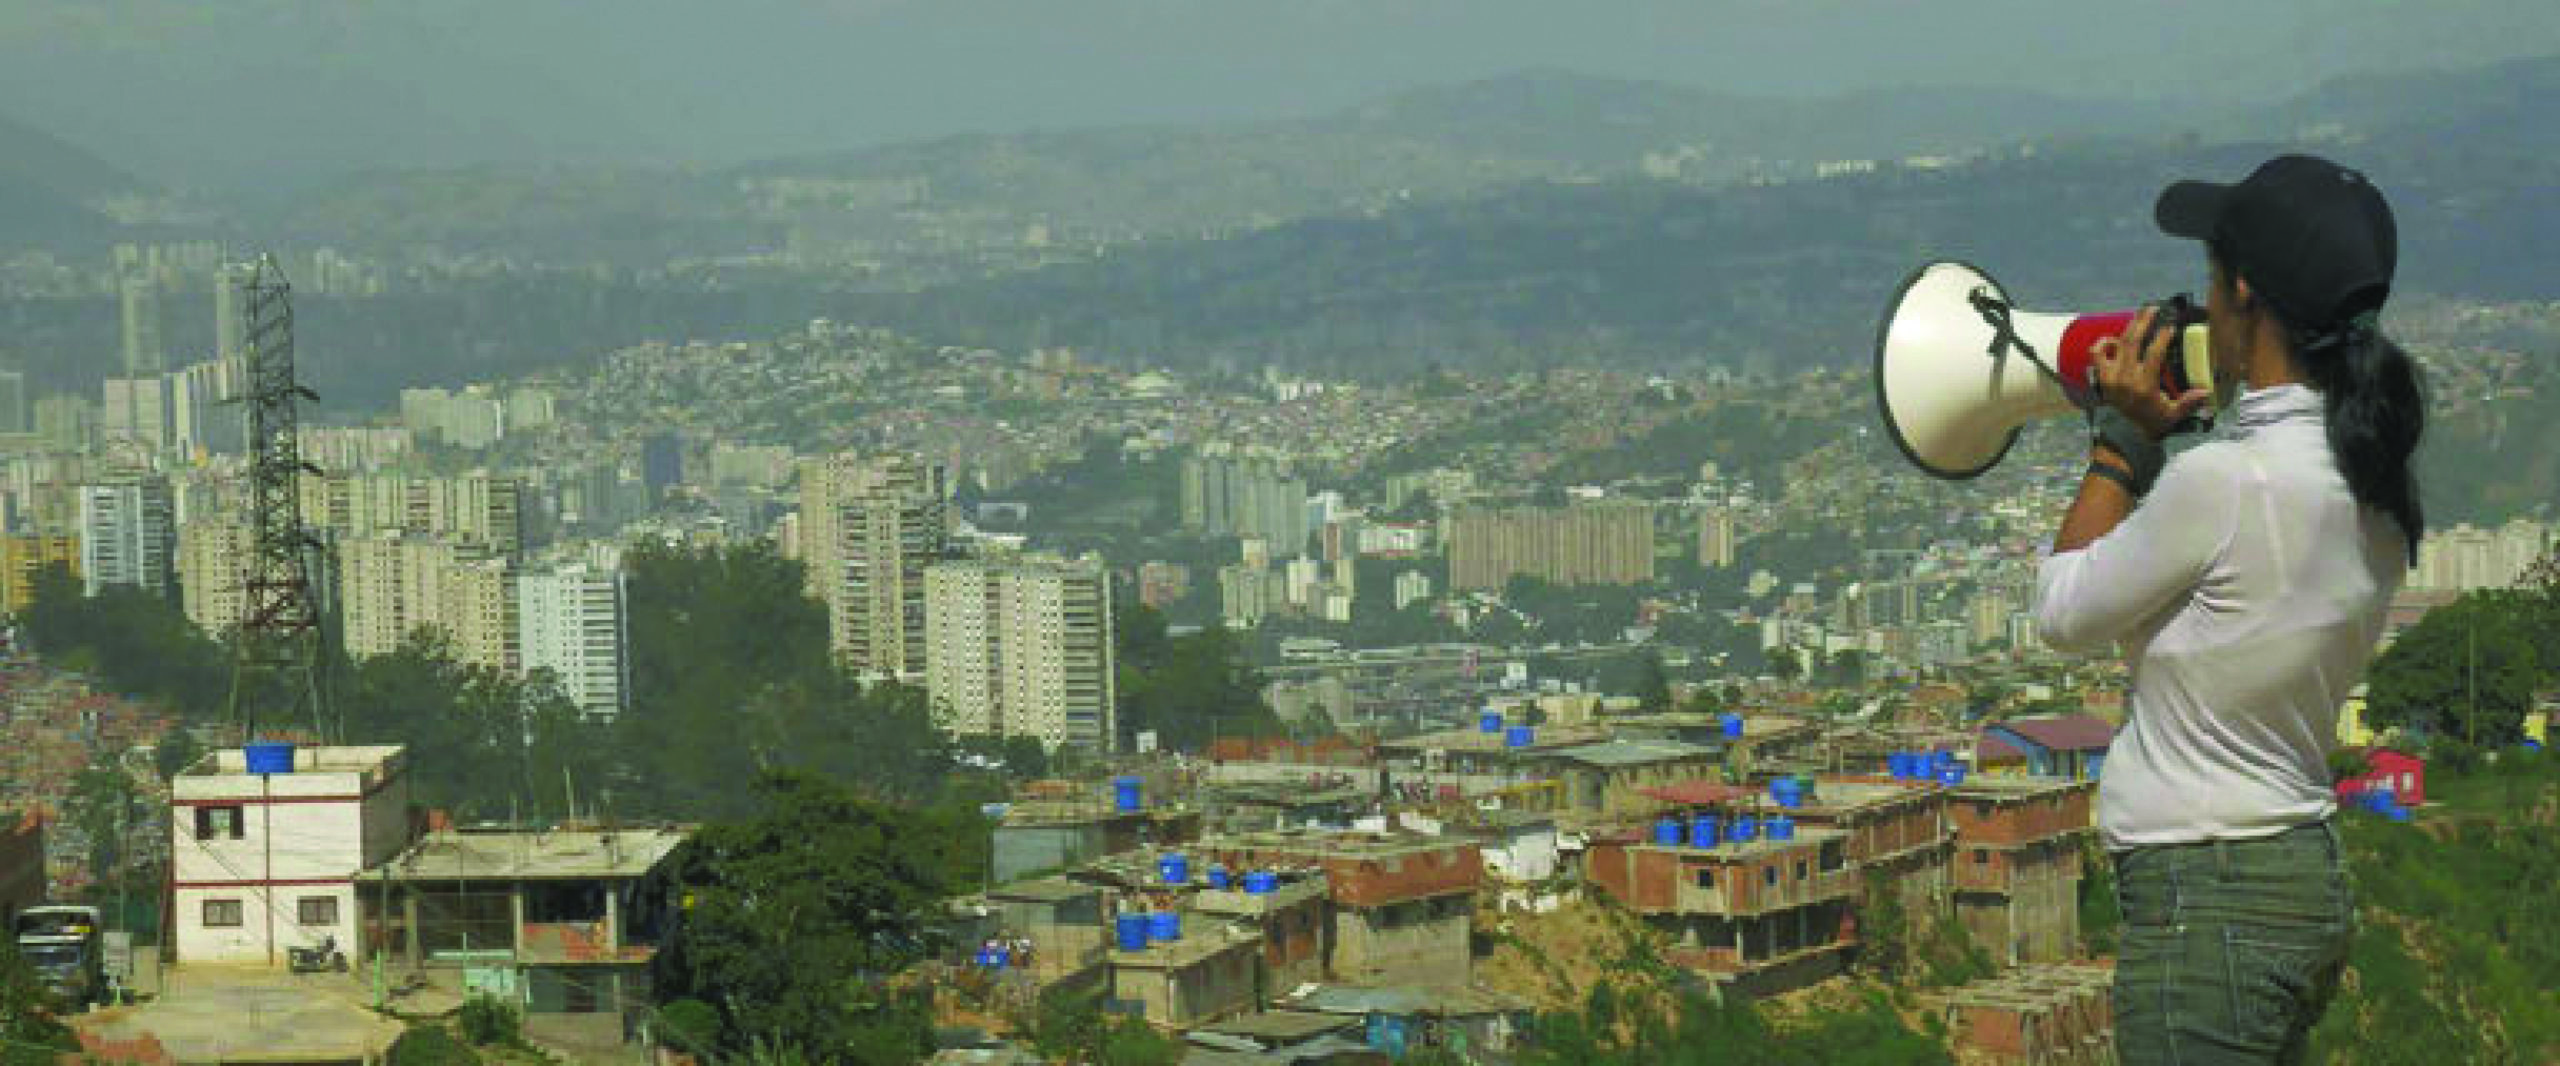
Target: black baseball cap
{"x":2314,"y":238}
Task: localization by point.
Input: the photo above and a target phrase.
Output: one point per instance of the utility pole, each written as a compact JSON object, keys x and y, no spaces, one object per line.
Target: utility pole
{"x":2471,"y":683}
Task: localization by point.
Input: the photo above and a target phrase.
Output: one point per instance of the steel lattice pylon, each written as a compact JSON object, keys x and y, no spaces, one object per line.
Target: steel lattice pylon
{"x":278,"y":677}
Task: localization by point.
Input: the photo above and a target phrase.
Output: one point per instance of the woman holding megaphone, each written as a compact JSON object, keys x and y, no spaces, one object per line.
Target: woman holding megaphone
{"x":2247,"y":582}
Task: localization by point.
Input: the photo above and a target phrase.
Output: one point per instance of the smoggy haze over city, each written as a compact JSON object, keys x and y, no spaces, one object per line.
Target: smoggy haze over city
{"x":174,"y":90}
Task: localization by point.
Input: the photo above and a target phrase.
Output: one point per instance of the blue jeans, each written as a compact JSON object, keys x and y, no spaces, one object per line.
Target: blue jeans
{"x":2231,"y":949}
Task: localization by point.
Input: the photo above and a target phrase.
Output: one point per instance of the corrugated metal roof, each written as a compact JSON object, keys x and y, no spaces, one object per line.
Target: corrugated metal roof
{"x":1700,"y":793}
{"x":2070,"y":732}
{"x":1632,"y":752}
{"x":1444,"y":1000}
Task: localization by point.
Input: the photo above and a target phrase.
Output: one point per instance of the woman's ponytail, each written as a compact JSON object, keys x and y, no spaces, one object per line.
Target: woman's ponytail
{"x":2376,"y":413}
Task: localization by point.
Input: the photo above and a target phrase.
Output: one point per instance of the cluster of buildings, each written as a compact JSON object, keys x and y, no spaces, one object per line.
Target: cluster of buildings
{"x":1243,"y":895}
{"x":1005,"y":642}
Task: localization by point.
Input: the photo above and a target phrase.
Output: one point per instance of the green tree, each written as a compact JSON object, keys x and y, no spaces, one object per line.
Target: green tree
{"x":1884,"y":927}
{"x":1653,"y":683}
{"x":138,"y":643}
{"x":2100,"y":916}
{"x":30,"y":1033}
{"x":2468,"y":670}
{"x":1189,"y":689}
{"x":482,"y":742}
{"x":795,"y":922}
{"x":107,"y":804}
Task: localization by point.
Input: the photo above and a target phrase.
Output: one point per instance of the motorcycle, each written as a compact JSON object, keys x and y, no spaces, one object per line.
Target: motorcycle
{"x":323,"y":957}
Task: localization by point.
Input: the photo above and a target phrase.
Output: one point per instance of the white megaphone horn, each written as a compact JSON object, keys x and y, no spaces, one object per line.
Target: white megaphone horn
{"x":1959,"y":368}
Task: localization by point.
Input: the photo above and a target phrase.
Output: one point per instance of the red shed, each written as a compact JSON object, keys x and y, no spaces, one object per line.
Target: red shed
{"x":2404,"y":774}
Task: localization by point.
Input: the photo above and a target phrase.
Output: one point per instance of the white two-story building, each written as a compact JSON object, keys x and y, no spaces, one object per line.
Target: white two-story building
{"x":266,"y":861}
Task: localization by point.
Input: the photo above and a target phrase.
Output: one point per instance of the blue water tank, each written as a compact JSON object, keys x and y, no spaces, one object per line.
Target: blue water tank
{"x":1951,"y":775}
{"x":1782,"y":828}
{"x":1124,"y":793}
{"x":1732,"y":724}
{"x":268,"y":758}
{"x":1946,"y":759}
{"x":1702,"y":831}
{"x":1898,"y":764}
{"x":1219,"y":878}
{"x":1744,"y":828}
{"x":1164,"y":926}
{"x":1666,"y":832}
{"x":1519,"y":736}
{"x":999,"y":958}
{"x":2397,"y":813}
{"x":1131,"y":928}
{"x":1261,"y":883}
{"x":1785,"y":792}
{"x":1174,"y":868}
{"x":1489,"y":722}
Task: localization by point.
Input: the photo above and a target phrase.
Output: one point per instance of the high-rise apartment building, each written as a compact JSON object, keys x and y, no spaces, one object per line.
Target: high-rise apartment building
{"x":571,"y":620}
{"x":1022,"y":647}
{"x":869,"y":527}
{"x":1598,"y":542}
{"x":1227,"y":495}
{"x":391,"y":585}
{"x":1715,"y":538}
{"x":66,"y":423}
{"x":138,"y":312}
{"x":128,"y":534}
{"x":202,"y":417}
{"x":24,"y":557}
{"x":478,"y":509}
{"x":2464,"y":558}
{"x":136,"y":411}
{"x":231,"y":310}
{"x":14,"y":413}
{"x":213,"y":572}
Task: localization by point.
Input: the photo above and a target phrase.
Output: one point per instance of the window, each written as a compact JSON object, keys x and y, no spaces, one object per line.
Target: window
{"x":1799,"y":869}
{"x":1769,"y":874}
{"x":1982,"y":809}
{"x":222,"y":914}
{"x":1981,"y":857}
{"x":317,"y":910}
{"x":1706,"y":878}
{"x":219,"y":823}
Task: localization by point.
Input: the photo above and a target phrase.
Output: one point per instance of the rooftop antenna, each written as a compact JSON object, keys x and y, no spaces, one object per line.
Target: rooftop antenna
{"x":279,"y":673}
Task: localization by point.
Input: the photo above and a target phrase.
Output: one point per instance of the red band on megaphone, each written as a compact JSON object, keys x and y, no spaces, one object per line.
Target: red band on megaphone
{"x":2079,"y":340}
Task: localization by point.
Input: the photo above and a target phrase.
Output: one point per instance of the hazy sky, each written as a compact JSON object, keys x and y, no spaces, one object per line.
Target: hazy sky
{"x":226,"y":91}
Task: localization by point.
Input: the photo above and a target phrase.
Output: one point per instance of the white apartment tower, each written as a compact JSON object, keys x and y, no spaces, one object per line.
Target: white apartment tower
{"x":570,"y":620}
{"x":1022,"y":647}
{"x":127,"y":535}
{"x":869,"y":527}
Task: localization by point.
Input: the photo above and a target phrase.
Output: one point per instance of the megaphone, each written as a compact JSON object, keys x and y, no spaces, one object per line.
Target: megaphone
{"x":1959,"y":369}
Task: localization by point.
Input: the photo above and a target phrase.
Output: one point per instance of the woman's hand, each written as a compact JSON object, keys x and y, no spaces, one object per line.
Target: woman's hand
{"x":2129,"y":379}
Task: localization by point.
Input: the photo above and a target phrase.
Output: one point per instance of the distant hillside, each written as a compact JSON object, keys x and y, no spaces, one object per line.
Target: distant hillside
{"x":46,"y":184}
{"x":1140,"y":182}
{"x":1650,"y":272}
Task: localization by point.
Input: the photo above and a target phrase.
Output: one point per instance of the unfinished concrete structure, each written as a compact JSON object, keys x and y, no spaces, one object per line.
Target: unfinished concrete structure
{"x":2035,"y":1016}
{"x":1403,"y":907}
{"x":558,"y":922}
{"x":1898,"y":830}
{"x":1768,"y":915}
{"x":1292,"y":921}
{"x":2017,"y":864}
{"x":1062,"y":919}
{"x":1204,"y":975}
{"x":1042,"y":835}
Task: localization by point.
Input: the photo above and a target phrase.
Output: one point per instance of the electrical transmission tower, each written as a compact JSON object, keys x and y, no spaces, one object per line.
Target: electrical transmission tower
{"x":278,"y":679}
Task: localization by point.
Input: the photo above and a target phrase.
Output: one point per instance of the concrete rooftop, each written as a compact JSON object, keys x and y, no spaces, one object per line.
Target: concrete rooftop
{"x":447,"y":855}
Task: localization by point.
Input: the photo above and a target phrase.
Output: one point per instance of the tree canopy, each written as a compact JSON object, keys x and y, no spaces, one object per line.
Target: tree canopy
{"x":791,"y":923}
{"x":2468,"y":670}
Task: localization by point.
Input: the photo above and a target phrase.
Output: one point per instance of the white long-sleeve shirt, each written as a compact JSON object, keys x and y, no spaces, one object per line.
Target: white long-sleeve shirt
{"x":2248,"y":592}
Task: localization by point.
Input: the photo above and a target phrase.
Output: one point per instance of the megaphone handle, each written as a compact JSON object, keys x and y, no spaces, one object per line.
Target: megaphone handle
{"x":2004,"y":333}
